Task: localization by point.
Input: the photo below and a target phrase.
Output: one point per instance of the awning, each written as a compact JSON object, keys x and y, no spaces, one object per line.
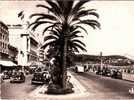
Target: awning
{"x":7,"y":63}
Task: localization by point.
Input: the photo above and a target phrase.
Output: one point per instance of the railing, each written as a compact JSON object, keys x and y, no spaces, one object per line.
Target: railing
{"x":128,"y":76}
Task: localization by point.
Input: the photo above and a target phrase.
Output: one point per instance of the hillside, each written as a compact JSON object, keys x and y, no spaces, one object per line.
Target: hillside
{"x":116,"y":60}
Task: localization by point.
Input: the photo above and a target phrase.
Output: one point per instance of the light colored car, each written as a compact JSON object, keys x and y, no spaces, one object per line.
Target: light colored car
{"x":79,"y":68}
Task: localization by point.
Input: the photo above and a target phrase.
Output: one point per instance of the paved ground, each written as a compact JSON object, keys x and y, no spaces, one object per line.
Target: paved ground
{"x":17,"y":90}
{"x":87,"y":86}
{"x":80,"y":92}
{"x":101,"y":87}
{"x":25,"y":90}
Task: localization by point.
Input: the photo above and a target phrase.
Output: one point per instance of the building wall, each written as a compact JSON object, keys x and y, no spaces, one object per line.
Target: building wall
{"x":33,"y":54}
{"x":4,"y":41}
{"x":13,"y":54}
{"x":27,"y":46}
{"x":41,"y":55}
{"x":18,"y":42}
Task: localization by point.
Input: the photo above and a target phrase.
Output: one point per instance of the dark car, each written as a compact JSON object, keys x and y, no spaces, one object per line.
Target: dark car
{"x":40,"y":77}
{"x":6,"y":75}
{"x":116,"y":74}
{"x":17,"y":77}
{"x":106,"y":72}
{"x":99,"y":72}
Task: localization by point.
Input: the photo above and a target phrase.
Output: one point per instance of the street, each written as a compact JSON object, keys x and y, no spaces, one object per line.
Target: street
{"x":105,"y":87}
{"x":99,"y":87}
{"x":17,"y":90}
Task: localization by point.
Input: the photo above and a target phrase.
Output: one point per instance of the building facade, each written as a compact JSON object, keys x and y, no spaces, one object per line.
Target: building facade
{"x":13,"y":54}
{"x":4,"y":41}
{"x":33,"y":54}
{"x":26,"y":43}
{"x":41,"y":55}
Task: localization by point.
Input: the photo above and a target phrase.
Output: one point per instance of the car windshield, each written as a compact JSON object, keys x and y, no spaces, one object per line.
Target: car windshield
{"x":45,"y":72}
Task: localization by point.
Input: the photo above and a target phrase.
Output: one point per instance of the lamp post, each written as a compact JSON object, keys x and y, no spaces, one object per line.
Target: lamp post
{"x":101,"y":63}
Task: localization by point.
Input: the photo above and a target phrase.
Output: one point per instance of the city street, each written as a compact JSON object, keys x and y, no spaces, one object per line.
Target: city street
{"x":97,"y":86}
{"x":101,"y":87}
{"x":17,"y":90}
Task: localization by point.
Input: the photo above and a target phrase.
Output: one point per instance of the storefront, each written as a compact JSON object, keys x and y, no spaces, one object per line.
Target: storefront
{"x":7,"y":65}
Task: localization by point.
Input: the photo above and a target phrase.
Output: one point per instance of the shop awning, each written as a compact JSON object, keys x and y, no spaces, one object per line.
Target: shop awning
{"x":7,"y":63}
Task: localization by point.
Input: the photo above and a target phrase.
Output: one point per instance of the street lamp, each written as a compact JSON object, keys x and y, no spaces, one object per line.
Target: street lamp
{"x":101,"y":63}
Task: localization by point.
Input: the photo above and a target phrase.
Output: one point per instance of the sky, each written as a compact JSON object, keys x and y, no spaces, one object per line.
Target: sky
{"x":116,"y":35}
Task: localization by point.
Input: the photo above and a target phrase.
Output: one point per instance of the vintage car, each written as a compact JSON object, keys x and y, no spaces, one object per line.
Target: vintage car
{"x":17,"y":77}
{"x":116,"y":74}
{"x":41,"y":77}
{"x":6,"y":75}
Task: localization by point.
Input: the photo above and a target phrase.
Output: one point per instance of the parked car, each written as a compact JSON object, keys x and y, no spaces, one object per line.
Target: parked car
{"x":116,"y":74}
{"x":99,"y":72}
{"x":17,"y":77}
{"x":6,"y":75}
{"x":40,"y":77}
{"x":106,"y":72}
{"x":46,"y":75}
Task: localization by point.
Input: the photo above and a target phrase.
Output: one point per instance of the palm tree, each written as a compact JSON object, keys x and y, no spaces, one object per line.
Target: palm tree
{"x":54,"y":41}
{"x":64,"y":22}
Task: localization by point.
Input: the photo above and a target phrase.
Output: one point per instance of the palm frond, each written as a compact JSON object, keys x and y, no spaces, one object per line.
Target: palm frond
{"x":51,"y":26}
{"x":92,"y":23}
{"x":72,"y":47}
{"x":43,"y":16}
{"x":44,"y":6}
{"x":36,"y":24}
{"x":74,"y":33}
{"x":78,"y":41}
{"x":55,"y":33}
{"x":78,"y":6}
{"x":87,"y":12}
{"x":80,"y":47}
{"x":48,"y":44}
{"x":56,"y":9}
{"x":50,"y":37}
{"x":78,"y":26}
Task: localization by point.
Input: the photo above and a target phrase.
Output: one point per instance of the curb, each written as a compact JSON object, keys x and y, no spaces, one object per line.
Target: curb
{"x":80,"y":89}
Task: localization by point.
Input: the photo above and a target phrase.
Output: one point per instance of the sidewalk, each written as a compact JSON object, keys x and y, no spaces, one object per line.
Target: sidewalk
{"x":80,"y":92}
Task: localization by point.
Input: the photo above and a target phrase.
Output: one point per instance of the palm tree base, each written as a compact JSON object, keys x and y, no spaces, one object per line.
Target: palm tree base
{"x":57,"y":89}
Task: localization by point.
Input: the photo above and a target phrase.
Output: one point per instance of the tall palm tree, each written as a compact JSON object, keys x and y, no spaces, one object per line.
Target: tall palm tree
{"x":65,"y":18}
{"x":54,"y":41}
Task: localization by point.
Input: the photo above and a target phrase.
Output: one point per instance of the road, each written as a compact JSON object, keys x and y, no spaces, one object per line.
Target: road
{"x":101,"y":87}
{"x":17,"y":90}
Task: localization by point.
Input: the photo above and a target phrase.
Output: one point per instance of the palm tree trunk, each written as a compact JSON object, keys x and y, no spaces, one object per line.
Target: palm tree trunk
{"x":64,"y":71}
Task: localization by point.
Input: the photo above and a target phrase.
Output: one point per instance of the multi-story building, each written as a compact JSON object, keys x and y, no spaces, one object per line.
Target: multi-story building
{"x":8,"y":53}
{"x":4,"y":41}
{"x":26,"y":43}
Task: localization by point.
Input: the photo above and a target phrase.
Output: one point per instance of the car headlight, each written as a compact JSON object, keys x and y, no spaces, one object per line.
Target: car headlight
{"x":44,"y":75}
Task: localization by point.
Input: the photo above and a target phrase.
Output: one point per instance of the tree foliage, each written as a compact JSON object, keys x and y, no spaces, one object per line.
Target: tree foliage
{"x":63,"y":25}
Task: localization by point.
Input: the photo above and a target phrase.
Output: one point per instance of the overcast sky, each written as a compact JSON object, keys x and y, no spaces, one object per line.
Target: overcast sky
{"x":116,"y":17}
